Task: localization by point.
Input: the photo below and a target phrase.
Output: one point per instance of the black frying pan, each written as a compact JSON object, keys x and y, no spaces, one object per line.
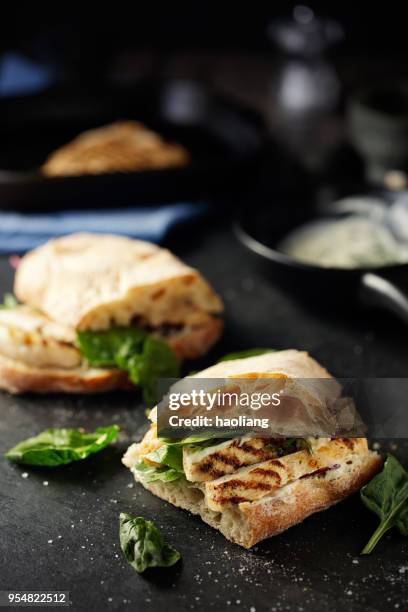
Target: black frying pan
{"x":222,"y":137}
{"x":260,"y":230}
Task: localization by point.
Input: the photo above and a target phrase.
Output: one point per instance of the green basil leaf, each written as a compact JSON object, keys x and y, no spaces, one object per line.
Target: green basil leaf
{"x":143,"y":545}
{"x":150,"y":473}
{"x":55,"y":447}
{"x":387,"y":496}
{"x":247,"y":353}
{"x":107,"y":347}
{"x":197,"y":440}
{"x":9,"y":301}
{"x":157,"y":361}
{"x":144,"y":358}
{"x":170,"y":455}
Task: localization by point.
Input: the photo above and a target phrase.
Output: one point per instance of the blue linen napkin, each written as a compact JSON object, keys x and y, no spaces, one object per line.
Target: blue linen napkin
{"x":21,"y":232}
{"x":20,"y":75}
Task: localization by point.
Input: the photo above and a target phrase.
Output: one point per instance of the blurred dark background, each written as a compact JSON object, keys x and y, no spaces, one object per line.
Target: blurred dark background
{"x":97,"y":42}
{"x":374,"y":30}
{"x":299,"y":88}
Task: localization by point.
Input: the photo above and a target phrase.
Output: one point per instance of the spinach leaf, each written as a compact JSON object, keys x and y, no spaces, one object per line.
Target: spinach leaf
{"x":110,"y":347}
{"x":144,"y":358}
{"x":170,"y":455}
{"x":198,"y":440}
{"x":247,"y":353}
{"x":55,"y":447}
{"x":156,"y":361}
{"x":143,"y":545}
{"x":387,"y":496}
{"x":195,"y":440}
{"x":9,"y":302}
{"x":150,"y":473}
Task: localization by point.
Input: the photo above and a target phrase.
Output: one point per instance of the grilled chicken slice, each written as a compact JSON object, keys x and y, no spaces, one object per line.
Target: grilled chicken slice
{"x":252,"y":483}
{"x":203,"y":464}
{"x":28,"y":336}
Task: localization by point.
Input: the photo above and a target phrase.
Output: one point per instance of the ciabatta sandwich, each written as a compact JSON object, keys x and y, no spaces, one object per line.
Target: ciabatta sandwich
{"x":124,"y":146}
{"x":251,"y":488}
{"x":100,"y":309}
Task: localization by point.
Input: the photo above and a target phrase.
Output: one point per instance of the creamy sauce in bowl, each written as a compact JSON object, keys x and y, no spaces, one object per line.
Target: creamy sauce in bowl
{"x":351,"y":242}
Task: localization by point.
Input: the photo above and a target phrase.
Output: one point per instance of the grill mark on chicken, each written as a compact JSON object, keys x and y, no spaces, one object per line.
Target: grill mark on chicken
{"x":234,"y":500}
{"x":258,"y":452}
{"x":260,"y":479}
{"x":240,"y":453}
{"x":266,"y":472}
{"x":244,"y":484}
{"x":225,"y":459}
{"x":276,"y":462}
{"x":214,"y":473}
{"x":233,"y":461}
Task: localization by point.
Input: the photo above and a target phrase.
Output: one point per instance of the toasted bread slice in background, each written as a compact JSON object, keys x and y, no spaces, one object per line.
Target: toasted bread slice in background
{"x":28,"y":336}
{"x":123,"y":146}
{"x":41,"y":355}
{"x":89,"y":281}
{"x":18,"y":377}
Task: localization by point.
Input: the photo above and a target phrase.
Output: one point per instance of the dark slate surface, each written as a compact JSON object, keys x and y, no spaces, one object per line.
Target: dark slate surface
{"x":64,"y":535}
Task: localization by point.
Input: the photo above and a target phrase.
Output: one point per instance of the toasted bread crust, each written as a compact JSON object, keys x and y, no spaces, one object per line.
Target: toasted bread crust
{"x":90,"y":281}
{"x":196,"y":342}
{"x":17,"y":377}
{"x":249,"y":523}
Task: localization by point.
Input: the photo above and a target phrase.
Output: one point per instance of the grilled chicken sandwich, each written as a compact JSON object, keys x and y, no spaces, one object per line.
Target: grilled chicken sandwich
{"x":248,"y":487}
{"x":100,"y":312}
{"x":124,"y":146}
